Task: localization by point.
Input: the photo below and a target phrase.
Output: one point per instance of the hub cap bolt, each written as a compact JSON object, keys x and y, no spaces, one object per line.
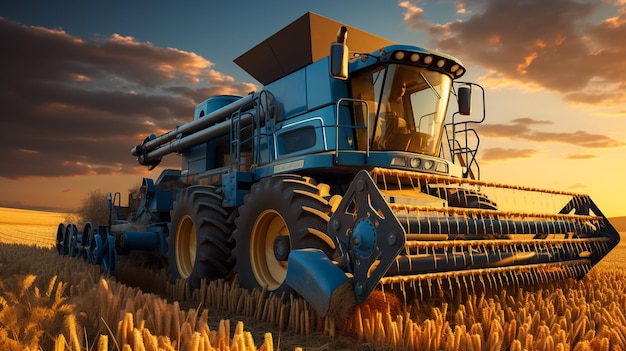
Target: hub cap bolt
{"x":392,"y":239}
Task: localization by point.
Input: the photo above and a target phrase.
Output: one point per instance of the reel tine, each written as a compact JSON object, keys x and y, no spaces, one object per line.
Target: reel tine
{"x":509,"y":245}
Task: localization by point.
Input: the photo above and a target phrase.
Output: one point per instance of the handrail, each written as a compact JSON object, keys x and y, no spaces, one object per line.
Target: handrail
{"x":456,"y":147}
{"x":337,"y":126}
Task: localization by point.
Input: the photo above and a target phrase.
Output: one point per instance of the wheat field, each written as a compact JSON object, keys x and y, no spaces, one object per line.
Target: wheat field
{"x":29,"y":227}
{"x":48,"y":302}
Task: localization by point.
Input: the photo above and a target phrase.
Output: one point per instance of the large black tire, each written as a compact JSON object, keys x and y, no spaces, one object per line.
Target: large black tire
{"x":281,"y":206}
{"x":199,"y":240}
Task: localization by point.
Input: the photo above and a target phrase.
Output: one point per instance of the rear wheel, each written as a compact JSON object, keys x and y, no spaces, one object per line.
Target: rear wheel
{"x":280,"y":214}
{"x":199,"y":242}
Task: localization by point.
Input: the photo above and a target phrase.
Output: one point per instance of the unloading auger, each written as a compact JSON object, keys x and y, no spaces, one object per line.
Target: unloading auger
{"x":331,"y":185}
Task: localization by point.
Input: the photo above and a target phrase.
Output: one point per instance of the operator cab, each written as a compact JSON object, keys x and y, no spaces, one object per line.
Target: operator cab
{"x":406,"y":107}
{"x":401,"y":94}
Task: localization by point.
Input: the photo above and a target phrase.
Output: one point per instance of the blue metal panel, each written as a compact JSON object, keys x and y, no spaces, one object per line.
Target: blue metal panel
{"x":305,"y":135}
{"x":168,"y":175}
{"x":322,"y":89}
{"x":213,"y":104}
{"x":140,"y":240}
{"x":195,"y":160}
{"x":314,"y":276}
{"x":157,"y":199}
{"x":326,"y":117}
{"x":265,"y":151}
{"x":317,"y":84}
{"x":163,"y":200}
{"x":295,"y":165}
{"x":347,"y":134}
{"x":290,"y":93}
{"x":202,"y":157}
{"x":235,"y":186}
{"x":354,"y":158}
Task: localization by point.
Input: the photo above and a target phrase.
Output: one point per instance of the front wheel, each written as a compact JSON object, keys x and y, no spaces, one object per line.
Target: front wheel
{"x":280,"y":214}
{"x":199,"y":242}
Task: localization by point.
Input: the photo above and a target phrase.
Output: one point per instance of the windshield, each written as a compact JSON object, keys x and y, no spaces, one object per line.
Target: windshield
{"x":407,"y":107}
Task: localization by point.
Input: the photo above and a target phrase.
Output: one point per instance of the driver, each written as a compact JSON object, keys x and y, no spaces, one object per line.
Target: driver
{"x":396,"y":128}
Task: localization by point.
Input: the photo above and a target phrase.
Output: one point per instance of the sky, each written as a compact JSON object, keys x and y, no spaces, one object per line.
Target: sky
{"x":81,"y":82}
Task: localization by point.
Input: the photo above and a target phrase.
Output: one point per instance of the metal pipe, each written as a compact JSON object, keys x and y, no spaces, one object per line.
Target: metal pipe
{"x":207,"y":121}
{"x":183,"y":143}
{"x":433,"y":263}
{"x":459,"y":225}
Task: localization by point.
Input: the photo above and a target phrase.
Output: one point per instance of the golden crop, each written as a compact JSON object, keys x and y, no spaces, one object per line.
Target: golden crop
{"x":29,"y":227}
{"x":51,"y":302}
{"x":66,"y":305}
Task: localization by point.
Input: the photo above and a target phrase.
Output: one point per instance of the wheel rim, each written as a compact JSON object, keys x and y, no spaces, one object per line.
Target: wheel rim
{"x":268,"y":270}
{"x":185,"y":246}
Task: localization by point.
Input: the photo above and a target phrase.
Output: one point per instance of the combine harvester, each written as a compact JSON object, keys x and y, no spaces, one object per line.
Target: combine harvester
{"x":353,"y":179}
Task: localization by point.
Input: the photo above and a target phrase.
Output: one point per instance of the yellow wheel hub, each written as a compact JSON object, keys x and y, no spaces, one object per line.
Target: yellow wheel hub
{"x":268,"y":270}
{"x":185,"y":246}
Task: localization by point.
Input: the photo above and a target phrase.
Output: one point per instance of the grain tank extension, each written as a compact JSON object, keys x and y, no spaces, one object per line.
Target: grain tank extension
{"x":348,"y":168}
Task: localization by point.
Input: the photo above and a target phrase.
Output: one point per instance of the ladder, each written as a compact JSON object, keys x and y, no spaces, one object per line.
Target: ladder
{"x":463,"y":140}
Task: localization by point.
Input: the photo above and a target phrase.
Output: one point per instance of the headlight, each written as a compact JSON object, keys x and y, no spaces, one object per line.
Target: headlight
{"x":428,"y":164}
{"x":442,"y":167}
{"x":398,"y":161}
{"x":415,"y":162}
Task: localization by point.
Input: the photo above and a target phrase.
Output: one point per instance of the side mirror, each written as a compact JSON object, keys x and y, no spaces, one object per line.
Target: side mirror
{"x":339,"y":56}
{"x":464,"y":94}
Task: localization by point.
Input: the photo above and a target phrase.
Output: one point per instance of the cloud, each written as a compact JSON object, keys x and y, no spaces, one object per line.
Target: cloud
{"x":500,"y":154}
{"x":557,"y":45}
{"x":581,"y":157}
{"x":461,"y":8}
{"x":578,"y":186}
{"x":414,"y":16}
{"x":76,"y":107}
{"x":522,"y":129}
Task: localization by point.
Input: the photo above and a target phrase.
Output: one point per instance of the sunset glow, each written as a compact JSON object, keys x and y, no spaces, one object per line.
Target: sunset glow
{"x":80,"y":94}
